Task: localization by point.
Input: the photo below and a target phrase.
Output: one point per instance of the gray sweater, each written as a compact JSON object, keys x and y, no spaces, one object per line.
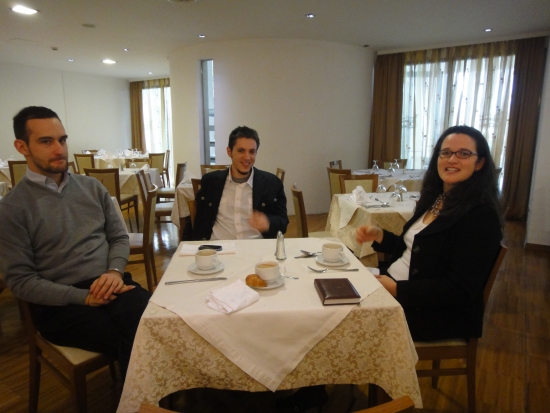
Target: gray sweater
{"x":50,"y":240}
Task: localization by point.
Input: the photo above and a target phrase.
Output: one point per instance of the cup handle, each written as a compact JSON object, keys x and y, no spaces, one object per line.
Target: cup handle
{"x":215,"y":260}
{"x":341,"y":255}
{"x":282,"y":270}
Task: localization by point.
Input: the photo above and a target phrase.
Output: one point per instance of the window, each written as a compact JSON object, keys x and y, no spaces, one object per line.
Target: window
{"x":209,"y":142}
{"x":157,"y":115}
{"x":469,"y":85}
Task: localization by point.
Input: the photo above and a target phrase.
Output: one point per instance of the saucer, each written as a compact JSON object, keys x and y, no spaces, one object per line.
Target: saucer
{"x":195,"y":270}
{"x":321,"y":260}
{"x":275,"y":284}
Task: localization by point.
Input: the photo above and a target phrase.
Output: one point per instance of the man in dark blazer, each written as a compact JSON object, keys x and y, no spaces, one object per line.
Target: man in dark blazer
{"x":241,"y":201}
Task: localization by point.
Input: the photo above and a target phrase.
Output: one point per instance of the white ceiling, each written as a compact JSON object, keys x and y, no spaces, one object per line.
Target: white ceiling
{"x":152,"y":29}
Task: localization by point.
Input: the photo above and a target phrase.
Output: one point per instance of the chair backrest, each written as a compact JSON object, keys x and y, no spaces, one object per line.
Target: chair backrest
{"x":142,"y":183}
{"x":149,"y":216}
{"x":493,"y":274}
{"x":90,"y":151}
{"x":18,"y":169}
{"x":192,"y":210}
{"x":401,"y":162}
{"x":280,"y":174}
{"x":167,"y":159}
{"x":156,"y":160}
{"x":300,"y":211}
{"x":334,"y":179}
{"x":196,"y":185}
{"x":108,"y":177}
{"x":348,"y":183}
{"x":84,"y":161}
{"x":180,"y":172}
{"x":72,"y":168}
{"x":335,"y":164}
{"x":207,"y":168}
{"x":403,"y":404}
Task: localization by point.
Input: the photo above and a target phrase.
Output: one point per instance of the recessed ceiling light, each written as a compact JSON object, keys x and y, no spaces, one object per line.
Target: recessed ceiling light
{"x":150,"y":73}
{"x":24,"y":10}
{"x":488,"y":30}
{"x":310,"y":16}
{"x":202,"y":36}
{"x":108,"y":61}
{"x":126,"y":49}
{"x":71,"y":60}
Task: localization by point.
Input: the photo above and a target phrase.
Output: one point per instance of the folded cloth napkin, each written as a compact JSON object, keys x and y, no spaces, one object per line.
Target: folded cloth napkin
{"x":191,"y":249}
{"x":232,"y":297}
{"x":359,"y":196}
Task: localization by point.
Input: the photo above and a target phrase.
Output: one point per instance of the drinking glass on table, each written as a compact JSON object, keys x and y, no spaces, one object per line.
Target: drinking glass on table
{"x":375,"y":166}
{"x":380,"y":188}
{"x":396,"y":164}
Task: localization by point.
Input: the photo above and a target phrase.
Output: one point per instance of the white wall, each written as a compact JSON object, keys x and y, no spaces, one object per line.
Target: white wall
{"x":538,"y":221}
{"x":310,"y":102}
{"x":95,"y":110}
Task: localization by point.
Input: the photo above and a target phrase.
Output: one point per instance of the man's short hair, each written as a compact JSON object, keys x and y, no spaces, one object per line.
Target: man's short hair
{"x":243,"y":132}
{"x":26,"y":114}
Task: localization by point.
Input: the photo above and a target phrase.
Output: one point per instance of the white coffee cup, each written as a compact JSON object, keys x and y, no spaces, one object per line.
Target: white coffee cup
{"x":268,"y":271}
{"x":333,"y":252}
{"x":206,"y":259}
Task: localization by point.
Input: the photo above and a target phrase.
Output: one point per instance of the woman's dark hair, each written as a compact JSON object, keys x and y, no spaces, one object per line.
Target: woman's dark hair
{"x":481,"y":187}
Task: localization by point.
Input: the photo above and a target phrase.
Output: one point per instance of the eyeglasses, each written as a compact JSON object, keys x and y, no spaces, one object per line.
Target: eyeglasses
{"x":462,"y":154}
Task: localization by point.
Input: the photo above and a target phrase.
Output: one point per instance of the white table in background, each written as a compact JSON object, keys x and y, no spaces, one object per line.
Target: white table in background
{"x":5,"y":175}
{"x":3,"y":188}
{"x":345,"y":217}
{"x":412,"y":178}
{"x":371,"y":344}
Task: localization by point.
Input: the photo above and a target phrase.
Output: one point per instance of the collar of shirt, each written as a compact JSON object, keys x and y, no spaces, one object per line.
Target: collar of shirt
{"x":249,"y":181}
{"x":46,"y":181}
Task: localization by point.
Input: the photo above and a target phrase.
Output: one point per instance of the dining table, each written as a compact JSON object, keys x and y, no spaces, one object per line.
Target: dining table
{"x":130,"y":185}
{"x":345,"y":216}
{"x":285,"y":340}
{"x":116,"y":161}
{"x":3,"y":188}
{"x":5,"y":175}
{"x":412,"y":178}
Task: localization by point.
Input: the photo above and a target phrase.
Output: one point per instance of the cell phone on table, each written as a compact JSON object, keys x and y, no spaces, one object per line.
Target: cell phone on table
{"x":211,"y":247}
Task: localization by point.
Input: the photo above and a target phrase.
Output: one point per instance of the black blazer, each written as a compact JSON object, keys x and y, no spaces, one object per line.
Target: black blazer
{"x":450,"y":262}
{"x":268,"y":196}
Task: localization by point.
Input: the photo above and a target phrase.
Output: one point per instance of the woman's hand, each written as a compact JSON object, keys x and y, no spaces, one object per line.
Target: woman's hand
{"x":369,"y":233}
{"x":388,"y":283}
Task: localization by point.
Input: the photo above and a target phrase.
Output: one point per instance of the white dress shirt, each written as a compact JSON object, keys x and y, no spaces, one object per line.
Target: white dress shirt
{"x":232,"y":221}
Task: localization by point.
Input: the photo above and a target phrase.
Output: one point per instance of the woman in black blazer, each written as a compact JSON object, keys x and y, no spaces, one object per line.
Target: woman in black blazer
{"x":441,"y":262}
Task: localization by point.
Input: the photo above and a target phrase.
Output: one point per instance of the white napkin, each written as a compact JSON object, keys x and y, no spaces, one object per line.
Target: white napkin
{"x":191,"y":249}
{"x":359,"y":196}
{"x":187,"y":176}
{"x":145,"y":167}
{"x":232,"y":297}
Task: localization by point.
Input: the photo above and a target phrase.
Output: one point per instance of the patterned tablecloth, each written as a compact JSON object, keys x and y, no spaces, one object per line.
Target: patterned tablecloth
{"x":372,"y":344}
{"x":389,"y":219}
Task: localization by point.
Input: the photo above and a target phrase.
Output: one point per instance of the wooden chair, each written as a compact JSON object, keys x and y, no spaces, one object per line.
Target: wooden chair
{"x":110,"y":179}
{"x":166,"y":168}
{"x":69,"y":364}
{"x":163,"y":209}
{"x":301,"y":217}
{"x":457,"y":348}
{"x":3,"y":287}
{"x":207,"y":168}
{"x":156,"y":160}
{"x":72,"y":168}
{"x":335,"y":164}
{"x":401,"y":405}
{"x":18,"y":169}
{"x":170,"y":193}
{"x":280,"y":174}
{"x":84,"y":161}
{"x":142,"y":243}
{"x":192,"y":210}
{"x":88,"y":151}
{"x":196,"y":185}
{"x":401,"y":162}
{"x":348,"y":183}
{"x":334,"y":179}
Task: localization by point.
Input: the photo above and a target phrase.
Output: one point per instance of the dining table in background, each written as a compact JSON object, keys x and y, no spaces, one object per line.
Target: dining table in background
{"x":116,"y":161}
{"x":285,"y":340}
{"x":5,"y":175}
{"x":128,"y":181}
{"x":345,"y":216}
{"x":412,"y":178}
{"x":3,"y":188}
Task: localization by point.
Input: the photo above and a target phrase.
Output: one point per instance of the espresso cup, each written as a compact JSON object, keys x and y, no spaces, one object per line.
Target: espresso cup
{"x":206,"y":259}
{"x":268,"y":271}
{"x":333,"y":252}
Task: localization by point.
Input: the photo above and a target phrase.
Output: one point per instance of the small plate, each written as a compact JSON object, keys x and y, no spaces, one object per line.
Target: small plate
{"x":321,"y":260}
{"x":195,"y":270}
{"x":275,"y":284}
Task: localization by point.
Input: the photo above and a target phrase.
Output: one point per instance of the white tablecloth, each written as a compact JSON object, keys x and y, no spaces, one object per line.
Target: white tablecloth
{"x":5,"y":174}
{"x":366,"y":343}
{"x":129,"y":183}
{"x":412,"y":178}
{"x":3,"y":188}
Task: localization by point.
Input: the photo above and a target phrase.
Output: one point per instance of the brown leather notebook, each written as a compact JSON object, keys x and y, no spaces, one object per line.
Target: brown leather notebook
{"x":333,"y":291}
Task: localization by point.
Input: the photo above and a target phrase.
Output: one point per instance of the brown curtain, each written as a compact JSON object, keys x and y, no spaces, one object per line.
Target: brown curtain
{"x":387,"y":104}
{"x":136,"y":115}
{"x":522,"y":131}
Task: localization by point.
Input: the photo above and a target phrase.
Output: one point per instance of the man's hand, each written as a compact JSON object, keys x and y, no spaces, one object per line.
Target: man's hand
{"x":259,"y":221}
{"x":104,"y":289}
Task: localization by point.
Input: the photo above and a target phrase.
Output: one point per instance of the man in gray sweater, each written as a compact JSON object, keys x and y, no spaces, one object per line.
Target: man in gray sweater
{"x":63,"y":247}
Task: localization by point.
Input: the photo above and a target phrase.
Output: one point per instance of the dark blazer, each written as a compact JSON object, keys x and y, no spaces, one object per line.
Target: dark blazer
{"x":450,"y":262}
{"x":268,"y":196}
